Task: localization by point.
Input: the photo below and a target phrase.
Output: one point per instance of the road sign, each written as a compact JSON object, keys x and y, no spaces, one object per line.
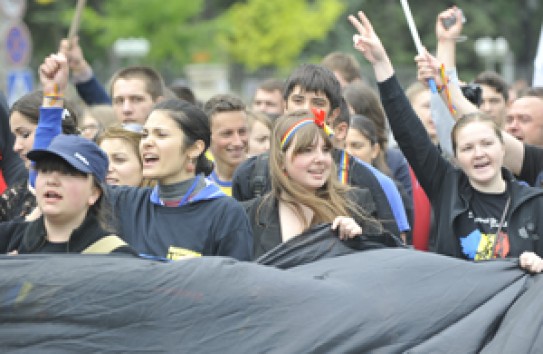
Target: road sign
{"x":17,"y":44}
{"x":13,"y":8}
{"x":19,"y":83}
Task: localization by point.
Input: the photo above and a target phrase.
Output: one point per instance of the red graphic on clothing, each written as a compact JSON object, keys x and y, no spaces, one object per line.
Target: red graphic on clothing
{"x":502,"y":245}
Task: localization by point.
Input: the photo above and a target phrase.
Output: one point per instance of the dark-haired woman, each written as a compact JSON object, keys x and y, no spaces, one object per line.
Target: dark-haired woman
{"x":19,"y":200}
{"x":184,"y":214}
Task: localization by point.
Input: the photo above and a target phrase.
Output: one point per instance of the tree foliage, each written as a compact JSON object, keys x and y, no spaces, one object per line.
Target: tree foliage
{"x":173,"y":28}
{"x":264,"y":33}
{"x":518,"y":21}
{"x":277,"y":33}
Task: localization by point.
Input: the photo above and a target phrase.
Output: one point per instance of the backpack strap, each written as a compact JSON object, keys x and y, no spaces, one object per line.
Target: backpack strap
{"x":259,"y":177}
{"x":106,"y":244}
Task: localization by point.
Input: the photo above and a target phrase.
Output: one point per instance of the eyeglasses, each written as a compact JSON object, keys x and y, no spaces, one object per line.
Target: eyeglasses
{"x":88,"y":127}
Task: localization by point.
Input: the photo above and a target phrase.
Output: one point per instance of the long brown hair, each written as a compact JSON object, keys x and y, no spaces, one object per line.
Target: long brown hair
{"x":331,"y":199}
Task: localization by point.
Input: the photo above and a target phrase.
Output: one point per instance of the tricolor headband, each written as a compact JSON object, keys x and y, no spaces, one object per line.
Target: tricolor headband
{"x":318,"y":119}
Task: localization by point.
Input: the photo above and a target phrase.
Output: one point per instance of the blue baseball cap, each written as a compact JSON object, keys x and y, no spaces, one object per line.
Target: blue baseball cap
{"x":82,"y":154}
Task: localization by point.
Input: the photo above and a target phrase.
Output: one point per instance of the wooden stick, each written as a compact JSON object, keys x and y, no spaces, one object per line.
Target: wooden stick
{"x":74,"y":27}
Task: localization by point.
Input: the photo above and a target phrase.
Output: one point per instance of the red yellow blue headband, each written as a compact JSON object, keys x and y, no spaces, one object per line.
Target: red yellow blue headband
{"x":319,"y":116}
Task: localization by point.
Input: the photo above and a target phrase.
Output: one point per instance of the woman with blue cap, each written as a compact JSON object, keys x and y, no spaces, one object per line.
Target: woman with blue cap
{"x":71,"y":173}
{"x":183,"y":215}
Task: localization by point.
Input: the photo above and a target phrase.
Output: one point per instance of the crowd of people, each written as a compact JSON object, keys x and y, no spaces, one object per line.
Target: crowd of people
{"x":148,"y":170}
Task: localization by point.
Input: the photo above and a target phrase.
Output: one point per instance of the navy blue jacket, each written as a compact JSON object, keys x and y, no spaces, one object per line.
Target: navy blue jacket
{"x":92,"y":92}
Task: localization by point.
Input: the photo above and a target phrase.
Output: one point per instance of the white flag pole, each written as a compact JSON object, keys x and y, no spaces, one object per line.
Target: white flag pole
{"x":412,"y":26}
{"x":538,"y":63}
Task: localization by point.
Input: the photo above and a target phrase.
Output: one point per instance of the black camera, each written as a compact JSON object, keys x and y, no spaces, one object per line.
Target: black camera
{"x":473,"y":93}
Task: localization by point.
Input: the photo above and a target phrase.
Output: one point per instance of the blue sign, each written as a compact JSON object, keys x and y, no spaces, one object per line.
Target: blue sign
{"x":18,"y":44}
{"x":19,"y":83}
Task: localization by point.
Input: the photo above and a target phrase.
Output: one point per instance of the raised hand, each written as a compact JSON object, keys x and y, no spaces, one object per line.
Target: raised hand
{"x":368,"y":43}
{"x":428,"y":68}
{"x":454,"y":31}
{"x":54,"y":74}
{"x":76,"y":60}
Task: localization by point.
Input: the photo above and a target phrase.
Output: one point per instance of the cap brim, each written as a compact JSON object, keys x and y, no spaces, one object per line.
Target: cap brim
{"x":40,"y":154}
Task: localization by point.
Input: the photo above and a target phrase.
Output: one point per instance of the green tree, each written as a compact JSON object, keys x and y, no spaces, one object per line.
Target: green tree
{"x":518,"y":21}
{"x":264,"y":33}
{"x":174,"y":28}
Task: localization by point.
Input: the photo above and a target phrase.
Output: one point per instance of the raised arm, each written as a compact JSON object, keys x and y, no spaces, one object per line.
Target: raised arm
{"x":53,"y":73}
{"x":368,"y":43}
{"x":428,"y":67}
{"x":423,"y":156}
{"x":447,"y":35}
{"x":88,"y":88}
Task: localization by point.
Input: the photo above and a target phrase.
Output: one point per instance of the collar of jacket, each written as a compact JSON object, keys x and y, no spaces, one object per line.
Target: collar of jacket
{"x":83,"y":236}
{"x":267,"y":211}
{"x":208,"y":192}
{"x":518,"y":192}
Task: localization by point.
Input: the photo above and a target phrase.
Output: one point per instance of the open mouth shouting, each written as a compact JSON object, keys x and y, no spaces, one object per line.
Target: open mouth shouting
{"x":149,"y":160}
{"x":112,"y":180}
{"x":481,"y":165}
{"x":51,"y":196}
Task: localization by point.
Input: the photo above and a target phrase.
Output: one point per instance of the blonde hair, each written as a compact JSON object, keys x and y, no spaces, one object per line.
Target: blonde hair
{"x":414,"y":90}
{"x":103,"y":114}
{"x":331,"y":199}
{"x":133,"y":140}
{"x":253,"y":116}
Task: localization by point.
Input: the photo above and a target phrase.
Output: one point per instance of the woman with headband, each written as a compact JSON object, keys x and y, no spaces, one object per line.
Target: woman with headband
{"x":305,"y":187}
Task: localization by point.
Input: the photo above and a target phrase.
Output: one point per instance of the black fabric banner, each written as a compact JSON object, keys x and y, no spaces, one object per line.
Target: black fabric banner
{"x":382,"y":300}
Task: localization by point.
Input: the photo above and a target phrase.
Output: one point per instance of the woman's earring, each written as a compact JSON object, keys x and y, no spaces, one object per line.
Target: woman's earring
{"x":191,"y":165}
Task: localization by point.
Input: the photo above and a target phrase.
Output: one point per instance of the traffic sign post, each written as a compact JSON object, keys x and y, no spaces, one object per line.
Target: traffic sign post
{"x":15,"y":50}
{"x":19,"y":83}
{"x":13,"y":8}
{"x":17,"y":44}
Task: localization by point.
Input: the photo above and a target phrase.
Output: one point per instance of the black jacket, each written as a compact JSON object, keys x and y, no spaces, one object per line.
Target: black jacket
{"x":532,"y":165}
{"x":30,"y":237}
{"x":263,"y":215}
{"x":448,"y":188}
